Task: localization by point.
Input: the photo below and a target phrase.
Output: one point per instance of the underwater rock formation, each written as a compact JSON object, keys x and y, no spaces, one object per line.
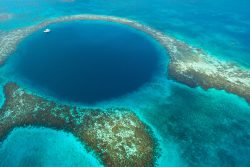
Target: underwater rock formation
{"x":188,"y":65}
{"x":5,"y":16}
{"x":116,"y":135}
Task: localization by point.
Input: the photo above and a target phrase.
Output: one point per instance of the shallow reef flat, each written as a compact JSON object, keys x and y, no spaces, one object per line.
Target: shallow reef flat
{"x":116,"y":135}
{"x":188,"y":65}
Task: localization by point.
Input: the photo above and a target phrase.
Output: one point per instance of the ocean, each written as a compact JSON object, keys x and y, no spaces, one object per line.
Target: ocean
{"x":194,"y":127}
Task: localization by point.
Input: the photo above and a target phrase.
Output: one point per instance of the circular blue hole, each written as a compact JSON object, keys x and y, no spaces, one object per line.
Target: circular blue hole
{"x":86,"y":62}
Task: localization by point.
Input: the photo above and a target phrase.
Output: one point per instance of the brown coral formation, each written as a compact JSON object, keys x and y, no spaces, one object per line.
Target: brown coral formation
{"x":116,"y":135}
{"x":118,"y":138}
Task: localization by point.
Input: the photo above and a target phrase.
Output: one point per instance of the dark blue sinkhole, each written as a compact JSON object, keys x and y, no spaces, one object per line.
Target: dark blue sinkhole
{"x":86,"y":62}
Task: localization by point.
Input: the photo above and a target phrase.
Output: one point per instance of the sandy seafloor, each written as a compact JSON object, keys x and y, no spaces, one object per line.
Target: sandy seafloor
{"x":194,"y":127}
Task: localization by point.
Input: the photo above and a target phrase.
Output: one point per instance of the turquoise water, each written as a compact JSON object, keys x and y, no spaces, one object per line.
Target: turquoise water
{"x":44,"y":147}
{"x":211,"y":128}
{"x":194,"y":127}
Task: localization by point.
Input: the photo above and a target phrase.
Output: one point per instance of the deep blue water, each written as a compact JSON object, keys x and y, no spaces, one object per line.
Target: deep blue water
{"x":196,"y":128}
{"x":86,"y":62}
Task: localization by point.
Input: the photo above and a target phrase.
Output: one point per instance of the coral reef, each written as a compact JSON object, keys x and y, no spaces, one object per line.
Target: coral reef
{"x":195,"y":68}
{"x":188,"y":65}
{"x":116,"y":135}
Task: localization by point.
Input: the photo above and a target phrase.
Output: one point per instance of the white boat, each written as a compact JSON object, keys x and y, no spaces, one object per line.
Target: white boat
{"x":46,"y":30}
